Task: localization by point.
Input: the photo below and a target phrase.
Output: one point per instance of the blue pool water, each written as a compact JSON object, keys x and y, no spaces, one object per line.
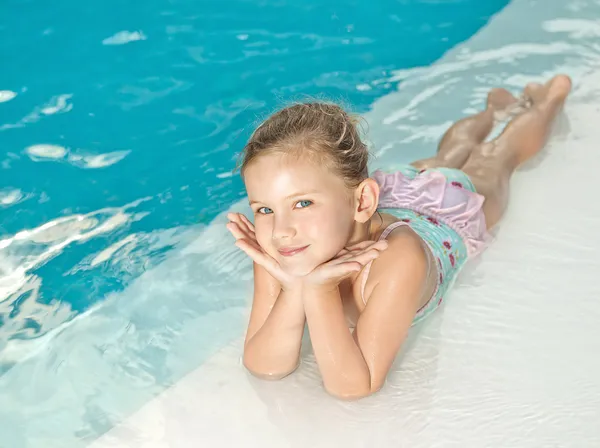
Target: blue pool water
{"x":155,"y":101}
{"x":120,"y":123}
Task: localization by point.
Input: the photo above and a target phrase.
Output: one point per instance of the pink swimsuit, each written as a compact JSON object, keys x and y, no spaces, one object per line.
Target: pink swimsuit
{"x":443,"y":208}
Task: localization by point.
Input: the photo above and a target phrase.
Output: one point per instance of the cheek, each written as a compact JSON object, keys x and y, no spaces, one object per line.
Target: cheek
{"x":332,"y":230}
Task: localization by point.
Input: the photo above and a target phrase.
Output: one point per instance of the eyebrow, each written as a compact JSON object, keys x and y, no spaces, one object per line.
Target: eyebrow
{"x":292,"y":196}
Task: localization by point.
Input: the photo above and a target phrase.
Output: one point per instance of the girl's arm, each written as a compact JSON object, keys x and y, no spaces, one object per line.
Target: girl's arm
{"x":353,"y":366}
{"x":274,"y":336}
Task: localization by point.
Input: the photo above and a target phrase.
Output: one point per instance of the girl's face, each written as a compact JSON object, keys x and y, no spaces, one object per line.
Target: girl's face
{"x":303,"y":214}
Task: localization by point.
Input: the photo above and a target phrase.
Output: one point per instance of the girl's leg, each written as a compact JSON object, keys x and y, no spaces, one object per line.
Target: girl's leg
{"x":465,"y":135}
{"x":491,"y":165}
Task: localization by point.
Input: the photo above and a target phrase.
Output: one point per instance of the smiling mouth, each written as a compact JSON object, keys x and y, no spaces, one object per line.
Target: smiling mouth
{"x":291,"y":252}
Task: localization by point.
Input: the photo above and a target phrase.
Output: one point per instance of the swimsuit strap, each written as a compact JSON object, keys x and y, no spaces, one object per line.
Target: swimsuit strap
{"x":383,"y":236}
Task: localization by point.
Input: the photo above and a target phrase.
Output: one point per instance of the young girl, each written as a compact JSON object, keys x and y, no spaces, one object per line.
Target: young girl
{"x":360,"y":259}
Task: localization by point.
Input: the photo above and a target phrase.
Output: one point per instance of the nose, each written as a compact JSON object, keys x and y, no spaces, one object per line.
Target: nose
{"x":283,"y":227}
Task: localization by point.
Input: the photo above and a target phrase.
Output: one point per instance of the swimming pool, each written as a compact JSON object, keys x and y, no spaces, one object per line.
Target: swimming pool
{"x":120,"y":125}
{"x":118,"y":133}
{"x":132,"y":252}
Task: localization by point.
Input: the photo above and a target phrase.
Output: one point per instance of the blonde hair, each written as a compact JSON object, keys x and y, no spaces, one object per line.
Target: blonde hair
{"x":321,"y":131}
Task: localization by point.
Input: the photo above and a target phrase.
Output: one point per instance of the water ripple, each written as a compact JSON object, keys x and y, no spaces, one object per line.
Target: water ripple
{"x":124,"y":37}
{"x":56,"y":104}
{"x":79,"y":158}
{"x":28,"y":251}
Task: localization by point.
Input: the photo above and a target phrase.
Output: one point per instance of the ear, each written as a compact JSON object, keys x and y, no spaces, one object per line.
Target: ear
{"x":366,"y":197}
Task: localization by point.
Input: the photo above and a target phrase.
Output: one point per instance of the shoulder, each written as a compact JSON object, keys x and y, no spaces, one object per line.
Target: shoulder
{"x":403,"y":263}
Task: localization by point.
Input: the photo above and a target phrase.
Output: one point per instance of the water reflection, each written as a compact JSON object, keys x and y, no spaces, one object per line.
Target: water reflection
{"x":24,"y":315}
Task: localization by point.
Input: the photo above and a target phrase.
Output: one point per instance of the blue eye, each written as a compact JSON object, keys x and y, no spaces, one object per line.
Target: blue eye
{"x":303,"y":204}
{"x":265,"y":211}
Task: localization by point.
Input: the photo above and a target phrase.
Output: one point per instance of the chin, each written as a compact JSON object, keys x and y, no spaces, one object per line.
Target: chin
{"x":299,"y":269}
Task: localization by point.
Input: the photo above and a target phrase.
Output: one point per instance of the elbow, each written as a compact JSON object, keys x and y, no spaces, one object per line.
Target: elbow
{"x":266,"y":370}
{"x":352,"y":392}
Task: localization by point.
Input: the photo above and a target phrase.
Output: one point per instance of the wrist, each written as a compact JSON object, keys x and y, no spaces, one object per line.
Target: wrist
{"x":319,"y":287}
{"x":292,"y":284}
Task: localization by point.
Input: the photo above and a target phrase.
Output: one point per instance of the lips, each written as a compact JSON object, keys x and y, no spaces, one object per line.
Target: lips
{"x":291,"y":251}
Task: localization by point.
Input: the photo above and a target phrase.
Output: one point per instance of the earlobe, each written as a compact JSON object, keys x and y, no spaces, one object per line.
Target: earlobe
{"x":367,"y":200}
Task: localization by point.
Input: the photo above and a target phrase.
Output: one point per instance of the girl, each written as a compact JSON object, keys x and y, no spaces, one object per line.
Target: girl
{"x":336,"y":249}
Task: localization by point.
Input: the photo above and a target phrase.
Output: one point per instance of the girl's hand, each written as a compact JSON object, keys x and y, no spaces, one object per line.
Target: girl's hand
{"x":348,"y":261}
{"x":243,"y":231}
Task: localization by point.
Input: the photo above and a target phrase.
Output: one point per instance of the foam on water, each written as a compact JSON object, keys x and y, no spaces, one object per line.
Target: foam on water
{"x":510,"y":360}
{"x":7,"y":95}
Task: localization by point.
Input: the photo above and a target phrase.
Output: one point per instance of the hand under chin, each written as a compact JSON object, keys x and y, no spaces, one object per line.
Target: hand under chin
{"x":300,"y":270}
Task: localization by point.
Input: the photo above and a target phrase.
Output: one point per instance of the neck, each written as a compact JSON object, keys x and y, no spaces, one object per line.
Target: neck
{"x":365,"y":231}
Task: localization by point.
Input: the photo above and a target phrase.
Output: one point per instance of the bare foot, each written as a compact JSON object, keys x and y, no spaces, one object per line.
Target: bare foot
{"x":500,"y":99}
{"x":505,"y":105}
{"x":547,"y":101}
{"x":559,"y":88}
{"x":556,"y":89}
{"x":535,"y":92}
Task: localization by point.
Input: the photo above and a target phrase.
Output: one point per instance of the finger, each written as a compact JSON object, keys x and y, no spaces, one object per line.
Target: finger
{"x":246,"y":225}
{"x":360,"y":246}
{"x":251,"y":250}
{"x":344,"y":270}
{"x":236,"y":218}
{"x":234,"y":229}
{"x":341,"y":252}
{"x":353,"y":250}
{"x":233,"y":217}
{"x":367,"y":245}
{"x":374,"y":248}
{"x":380,"y":245}
{"x":362,"y":258}
{"x":252,"y":242}
{"x":247,"y":222}
{"x":257,"y":255}
{"x":238,"y":232}
{"x":355,"y":247}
